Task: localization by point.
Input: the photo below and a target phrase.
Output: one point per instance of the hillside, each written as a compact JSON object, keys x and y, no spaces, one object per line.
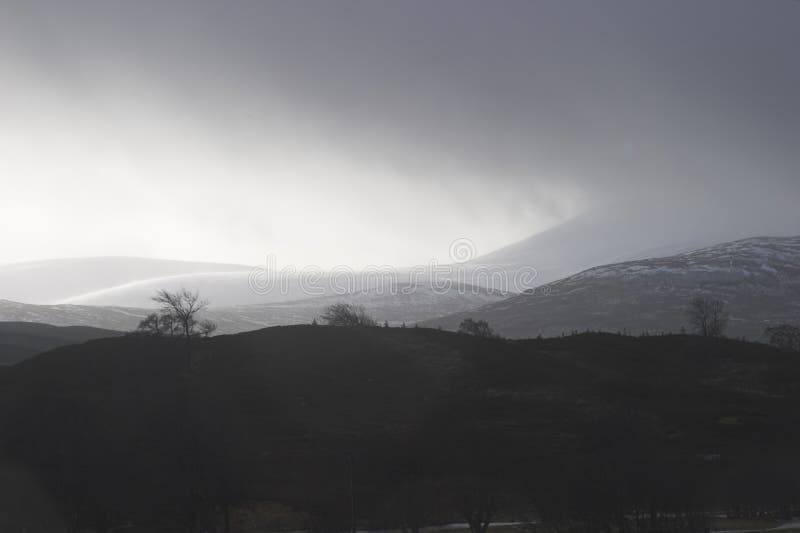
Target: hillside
{"x":73,"y":280}
{"x":404,"y":304}
{"x":21,"y":340}
{"x":758,"y":278}
{"x":603,"y":236}
{"x":289,"y":414}
{"x":103,"y":317}
{"x":397,"y":306}
{"x":599,"y":236}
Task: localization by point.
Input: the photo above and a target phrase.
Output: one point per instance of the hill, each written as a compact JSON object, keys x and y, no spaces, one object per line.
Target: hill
{"x":21,"y":340}
{"x":604,"y":236}
{"x":102,"y":317}
{"x":404,"y":303}
{"x":758,"y":278}
{"x":72,"y":280}
{"x":417,"y":426}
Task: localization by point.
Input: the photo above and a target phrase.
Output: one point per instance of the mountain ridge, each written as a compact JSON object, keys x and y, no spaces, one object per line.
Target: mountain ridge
{"x":758,"y":277}
{"x":394,"y":307}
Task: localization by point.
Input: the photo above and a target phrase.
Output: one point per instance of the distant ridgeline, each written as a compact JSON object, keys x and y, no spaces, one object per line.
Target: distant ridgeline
{"x":758,"y":280}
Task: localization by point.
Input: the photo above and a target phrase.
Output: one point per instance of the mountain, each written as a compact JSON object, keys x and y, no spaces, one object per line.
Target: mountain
{"x":130,"y":282}
{"x":111,"y":318}
{"x":222,"y":288}
{"x":629,"y":231}
{"x":588,"y":240}
{"x":76,"y":279}
{"x":604,"y":235}
{"x":21,"y":340}
{"x":758,"y":278}
{"x":398,"y":421}
{"x":398,"y":304}
{"x":405,"y":304}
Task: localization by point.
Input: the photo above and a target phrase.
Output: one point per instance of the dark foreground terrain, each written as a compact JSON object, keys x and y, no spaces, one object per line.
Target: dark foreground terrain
{"x":20,"y":340}
{"x":398,"y":428}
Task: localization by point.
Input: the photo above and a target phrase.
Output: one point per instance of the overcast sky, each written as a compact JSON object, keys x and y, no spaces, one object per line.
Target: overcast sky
{"x":376,"y":131}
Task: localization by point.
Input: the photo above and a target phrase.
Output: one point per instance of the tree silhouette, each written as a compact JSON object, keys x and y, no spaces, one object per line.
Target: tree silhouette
{"x":784,"y":336}
{"x":478,"y":328}
{"x":707,"y":316}
{"x":183,"y":307}
{"x":344,"y":314}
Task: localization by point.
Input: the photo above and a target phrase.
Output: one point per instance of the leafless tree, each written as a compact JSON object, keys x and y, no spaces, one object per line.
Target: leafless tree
{"x":479,"y":328}
{"x":707,"y":316}
{"x":168,"y":324}
{"x":179,"y":312}
{"x":477,"y":502}
{"x":206,"y":328}
{"x":344,"y":314}
{"x":784,"y":336}
{"x":150,"y":325}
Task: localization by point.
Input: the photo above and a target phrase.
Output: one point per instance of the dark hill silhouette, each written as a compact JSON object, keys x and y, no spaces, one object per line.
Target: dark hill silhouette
{"x":20,"y":340}
{"x":425,"y":424}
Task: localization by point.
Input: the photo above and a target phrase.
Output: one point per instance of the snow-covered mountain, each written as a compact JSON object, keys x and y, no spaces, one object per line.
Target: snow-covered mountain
{"x":129,"y":282}
{"x":88,"y":279}
{"x":607,"y":234}
{"x":628,"y":231}
{"x":758,"y":278}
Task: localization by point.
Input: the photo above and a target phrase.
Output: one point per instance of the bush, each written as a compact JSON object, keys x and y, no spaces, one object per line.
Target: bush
{"x":478,"y":328}
{"x":784,"y":336}
{"x":343,"y":314}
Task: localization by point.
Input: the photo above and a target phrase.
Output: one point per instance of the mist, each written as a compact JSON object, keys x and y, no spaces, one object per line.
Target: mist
{"x":356,"y":133}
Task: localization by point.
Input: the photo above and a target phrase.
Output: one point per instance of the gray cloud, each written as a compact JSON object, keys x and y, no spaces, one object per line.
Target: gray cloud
{"x":523,"y":112}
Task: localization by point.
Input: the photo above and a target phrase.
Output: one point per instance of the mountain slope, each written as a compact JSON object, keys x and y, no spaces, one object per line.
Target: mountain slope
{"x":111,"y":318}
{"x":397,"y":306}
{"x":59,"y":280}
{"x":122,"y":282}
{"x":758,"y":278}
{"x":617,"y":233}
{"x":21,"y":340}
{"x":655,"y":226}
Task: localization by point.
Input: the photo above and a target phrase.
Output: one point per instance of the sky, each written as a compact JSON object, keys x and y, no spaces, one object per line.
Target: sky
{"x":360,"y":132}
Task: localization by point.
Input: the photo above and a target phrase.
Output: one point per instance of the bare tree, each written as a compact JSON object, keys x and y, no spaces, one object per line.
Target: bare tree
{"x":477,"y":502}
{"x":707,"y":316}
{"x":784,"y":336}
{"x":168,"y":324}
{"x":344,"y":314}
{"x":479,"y":328}
{"x":183,"y":306}
{"x":206,"y":328}
{"x":150,"y":325}
{"x":177,"y":317}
